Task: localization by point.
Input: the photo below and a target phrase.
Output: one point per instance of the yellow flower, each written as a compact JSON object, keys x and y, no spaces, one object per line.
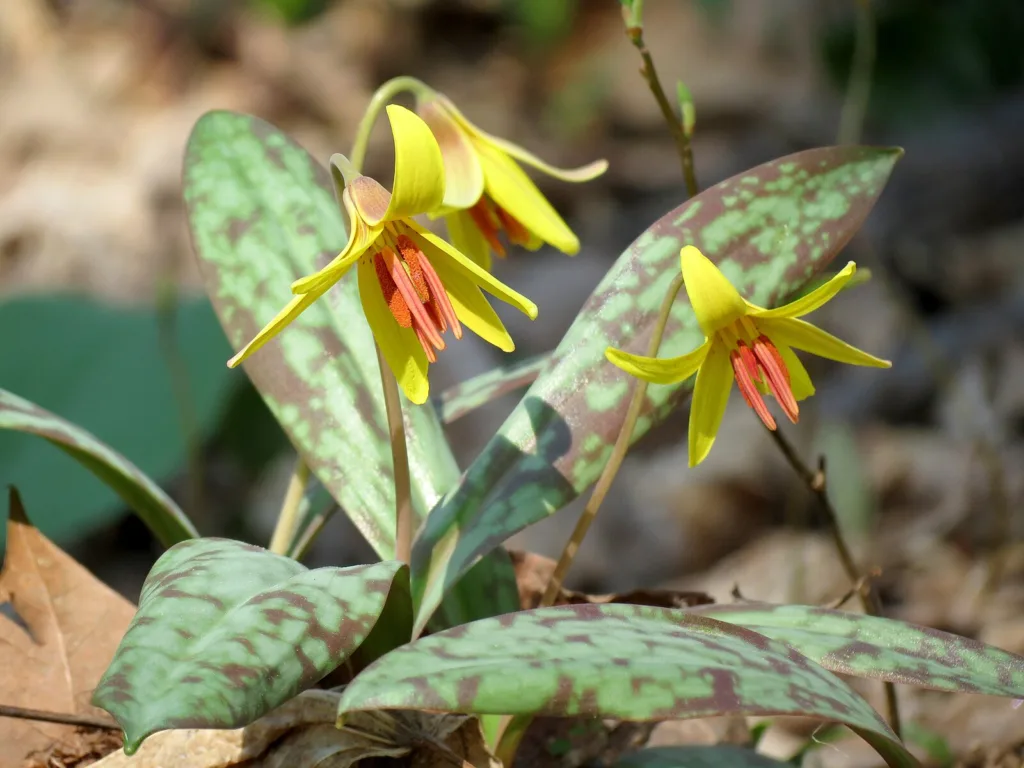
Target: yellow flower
{"x":412,"y":284}
{"x":487,"y":192}
{"x":746,"y":342}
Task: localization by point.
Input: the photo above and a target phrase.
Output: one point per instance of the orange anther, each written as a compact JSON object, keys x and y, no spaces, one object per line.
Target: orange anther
{"x":488,"y":224}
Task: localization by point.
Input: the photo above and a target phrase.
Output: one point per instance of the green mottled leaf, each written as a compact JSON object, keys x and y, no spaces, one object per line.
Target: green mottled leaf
{"x":769,"y":229}
{"x":712,"y":756}
{"x":868,"y":646}
{"x":226,"y":631}
{"x":168,"y":523}
{"x":622,"y":661}
{"x":113,"y":372}
{"x":262,"y":213}
{"x":465,"y":397}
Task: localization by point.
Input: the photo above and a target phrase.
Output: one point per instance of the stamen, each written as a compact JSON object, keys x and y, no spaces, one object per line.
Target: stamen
{"x":744,"y":368}
{"x":427,"y":347}
{"x":517,"y":233}
{"x":395,"y":301}
{"x":776,"y":375}
{"x":421,"y":319}
{"x":488,"y":224}
{"x":438,"y":301}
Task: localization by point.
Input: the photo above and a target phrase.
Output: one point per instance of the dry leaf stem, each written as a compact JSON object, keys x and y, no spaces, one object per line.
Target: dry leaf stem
{"x":23,"y":713}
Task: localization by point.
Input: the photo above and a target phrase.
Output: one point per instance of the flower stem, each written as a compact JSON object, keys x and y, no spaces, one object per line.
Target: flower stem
{"x":611,"y":469}
{"x":633,"y":18}
{"x":288,"y":519}
{"x":816,"y":483}
{"x":400,"y":460}
{"x":384,"y":94}
{"x":392,"y":402}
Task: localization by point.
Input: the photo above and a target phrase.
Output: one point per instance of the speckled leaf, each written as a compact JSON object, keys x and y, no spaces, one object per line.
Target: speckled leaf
{"x":699,"y":756}
{"x":262,"y":213}
{"x":168,"y":523}
{"x":769,"y":229}
{"x":622,"y":661}
{"x":465,"y":397}
{"x":866,"y":646}
{"x":226,"y":631}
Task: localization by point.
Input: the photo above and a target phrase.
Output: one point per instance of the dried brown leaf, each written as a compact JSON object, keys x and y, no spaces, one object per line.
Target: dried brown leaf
{"x":64,"y":630}
{"x":302,"y":734}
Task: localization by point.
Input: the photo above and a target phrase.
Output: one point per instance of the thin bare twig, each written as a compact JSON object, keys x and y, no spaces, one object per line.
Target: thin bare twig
{"x":635,"y":32}
{"x":24,"y":713}
{"x":816,"y":482}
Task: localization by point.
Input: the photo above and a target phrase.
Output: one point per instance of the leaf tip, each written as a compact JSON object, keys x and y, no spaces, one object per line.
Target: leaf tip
{"x":15,"y":509}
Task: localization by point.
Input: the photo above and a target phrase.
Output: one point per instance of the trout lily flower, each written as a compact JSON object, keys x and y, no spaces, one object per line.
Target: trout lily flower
{"x":413,"y":285}
{"x":487,"y":192}
{"x":747,"y":343}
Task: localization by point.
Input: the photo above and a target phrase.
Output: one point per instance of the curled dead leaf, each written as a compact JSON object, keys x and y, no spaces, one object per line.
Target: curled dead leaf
{"x":59,"y":628}
{"x":302,"y":734}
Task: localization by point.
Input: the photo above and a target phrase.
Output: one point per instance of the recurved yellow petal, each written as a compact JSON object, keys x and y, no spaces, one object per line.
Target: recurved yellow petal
{"x":359,"y":240}
{"x":799,"y":379}
{"x":294,"y":308}
{"x":464,"y":179}
{"x":399,"y":346}
{"x":440,"y":252}
{"x":419,"y":169}
{"x":583,"y":173}
{"x":813,"y":300}
{"x":710,"y":396}
{"x":659,"y":370}
{"x":472,"y":307}
{"x":509,"y":186}
{"x":715,"y":302}
{"x":467,"y":238}
{"x":802,"y":335}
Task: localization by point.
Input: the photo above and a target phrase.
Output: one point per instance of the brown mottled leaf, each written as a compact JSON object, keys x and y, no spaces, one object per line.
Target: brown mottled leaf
{"x":770,"y":229}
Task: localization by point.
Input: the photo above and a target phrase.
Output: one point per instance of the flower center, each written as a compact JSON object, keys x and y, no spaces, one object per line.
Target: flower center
{"x":414,"y":293}
{"x":490,"y":218}
{"x":758,"y":366}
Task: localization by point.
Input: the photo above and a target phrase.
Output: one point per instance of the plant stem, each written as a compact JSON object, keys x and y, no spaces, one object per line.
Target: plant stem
{"x":858,"y":87}
{"x":303,"y":541}
{"x":288,"y":519}
{"x":400,"y":459}
{"x":384,"y":94}
{"x":635,"y":33}
{"x":816,"y":483}
{"x":392,"y":402}
{"x":23,"y":713}
{"x":611,"y":469}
